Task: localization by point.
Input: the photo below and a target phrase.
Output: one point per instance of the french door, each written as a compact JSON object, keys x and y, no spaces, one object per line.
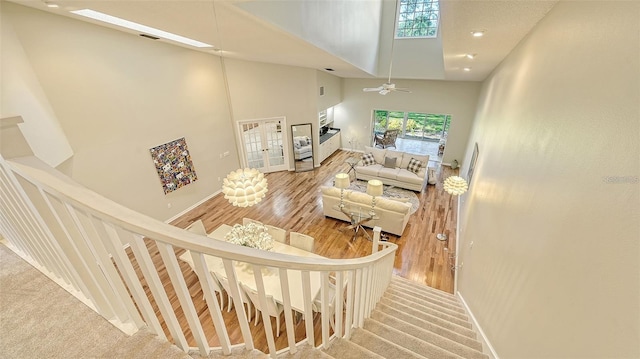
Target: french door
{"x":262,"y":144}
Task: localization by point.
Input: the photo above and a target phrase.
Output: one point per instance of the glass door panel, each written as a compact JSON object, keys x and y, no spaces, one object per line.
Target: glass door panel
{"x":263,"y":145}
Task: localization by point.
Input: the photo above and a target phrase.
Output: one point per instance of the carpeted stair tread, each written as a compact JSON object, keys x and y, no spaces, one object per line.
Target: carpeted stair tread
{"x":422,"y":287}
{"x":462,"y":327}
{"x":382,"y":346}
{"x":345,"y":349}
{"x":456,"y":332}
{"x":425,"y":295}
{"x":416,"y":345}
{"x":427,"y":308}
{"x":425,"y":300}
{"x":306,"y":352}
{"x":427,"y":336}
{"x":237,"y":352}
{"x":144,"y":344}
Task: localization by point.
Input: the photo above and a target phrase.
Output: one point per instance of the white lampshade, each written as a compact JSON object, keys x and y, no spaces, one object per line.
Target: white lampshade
{"x":374,"y":188}
{"x":342,"y":180}
{"x":455,"y":185}
{"x":244,"y":187}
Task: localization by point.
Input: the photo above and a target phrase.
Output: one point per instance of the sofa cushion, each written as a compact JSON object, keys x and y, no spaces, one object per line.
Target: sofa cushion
{"x":391,"y":205}
{"x":390,"y":162}
{"x":369,"y":170}
{"x":414,"y":165}
{"x":360,"y":197}
{"x":406,"y":157}
{"x":378,"y":153}
{"x":407,"y":176}
{"x":390,"y":173}
{"x":368,"y":159}
{"x":394,"y":154}
{"x":330,"y":191}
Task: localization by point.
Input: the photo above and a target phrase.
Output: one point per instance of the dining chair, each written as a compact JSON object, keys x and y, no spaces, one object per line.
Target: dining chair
{"x":225,"y":284}
{"x":278,"y":234}
{"x":302,"y":241}
{"x":197,"y":227}
{"x":316,"y":305}
{"x":246,"y":221}
{"x":274,"y":309}
{"x":214,"y":282}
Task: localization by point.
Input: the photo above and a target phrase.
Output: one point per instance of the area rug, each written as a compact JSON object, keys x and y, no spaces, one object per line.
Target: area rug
{"x":390,"y":191}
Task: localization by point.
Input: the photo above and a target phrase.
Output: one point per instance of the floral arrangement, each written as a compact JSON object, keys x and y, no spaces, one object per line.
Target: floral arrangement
{"x":252,"y":235}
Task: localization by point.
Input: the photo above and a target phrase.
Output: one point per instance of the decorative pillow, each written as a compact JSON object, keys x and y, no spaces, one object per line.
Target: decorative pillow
{"x":414,"y":165}
{"x":390,"y":162}
{"x":303,"y":142}
{"x":368,"y":160}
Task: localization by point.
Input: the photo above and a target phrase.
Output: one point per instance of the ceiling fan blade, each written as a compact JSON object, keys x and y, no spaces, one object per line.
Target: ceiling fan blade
{"x":372,"y":89}
{"x":384,"y":92}
{"x":402,"y":89}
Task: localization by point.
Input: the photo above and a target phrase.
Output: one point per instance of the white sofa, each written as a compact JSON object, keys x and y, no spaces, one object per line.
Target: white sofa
{"x":302,"y":147}
{"x":392,"y":214}
{"x":397,"y":175}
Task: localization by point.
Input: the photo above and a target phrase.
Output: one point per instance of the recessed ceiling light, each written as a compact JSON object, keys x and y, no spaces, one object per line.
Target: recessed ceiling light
{"x":52,"y":5}
{"x":329,"y":69}
{"x":477,"y":33}
{"x":138,"y":27}
{"x":470,"y":56}
{"x":467,"y":69}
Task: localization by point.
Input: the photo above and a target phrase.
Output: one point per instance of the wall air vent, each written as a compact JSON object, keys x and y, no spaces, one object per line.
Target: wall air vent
{"x":149,"y":36}
{"x":321,"y":90}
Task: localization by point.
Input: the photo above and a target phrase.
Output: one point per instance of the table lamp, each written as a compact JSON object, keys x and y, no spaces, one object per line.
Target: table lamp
{"x":374,"y":189}
{"x":342,"y":182}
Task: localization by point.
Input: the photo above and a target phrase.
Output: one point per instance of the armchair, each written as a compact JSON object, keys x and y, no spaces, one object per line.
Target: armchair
{"x":388,"y":139}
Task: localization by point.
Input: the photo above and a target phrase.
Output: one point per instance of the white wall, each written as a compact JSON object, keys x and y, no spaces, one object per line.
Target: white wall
{"x":554,"y":205}
{"x":117,"y":95}
{"x":332,"y":90}
{"x":261,"y":90}
{"x":21,"y":94}
{"x":319,"y":22}
{"x":458,"y":99}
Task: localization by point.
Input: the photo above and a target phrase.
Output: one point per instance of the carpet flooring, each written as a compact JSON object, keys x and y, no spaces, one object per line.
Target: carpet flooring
{"x":39,"y":319}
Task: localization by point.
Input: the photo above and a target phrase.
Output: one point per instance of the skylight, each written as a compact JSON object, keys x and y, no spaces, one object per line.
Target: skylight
{"x":417,"y":18}
{"x":92,"y":14}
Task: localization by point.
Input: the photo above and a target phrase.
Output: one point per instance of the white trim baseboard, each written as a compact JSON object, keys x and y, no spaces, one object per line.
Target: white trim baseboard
{"x":192,"y":207}
{"x":486,"y":344}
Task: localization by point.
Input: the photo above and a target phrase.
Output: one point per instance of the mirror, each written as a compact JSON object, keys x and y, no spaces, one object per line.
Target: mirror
{"x":302,"y":141}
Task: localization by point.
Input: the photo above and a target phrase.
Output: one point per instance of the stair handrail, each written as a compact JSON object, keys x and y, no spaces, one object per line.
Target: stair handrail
{"x":363,"y":289}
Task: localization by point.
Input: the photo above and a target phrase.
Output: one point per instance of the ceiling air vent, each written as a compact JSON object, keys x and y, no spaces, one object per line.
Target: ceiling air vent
{"x":149,"y":36}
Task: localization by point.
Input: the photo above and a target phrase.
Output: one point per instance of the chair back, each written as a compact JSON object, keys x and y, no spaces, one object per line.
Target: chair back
{"x":278,"y":234}
{"x":272,"y":307}
{"x":246,"y":221}
{"x":225,"y":284}
{"x":302,"y":241}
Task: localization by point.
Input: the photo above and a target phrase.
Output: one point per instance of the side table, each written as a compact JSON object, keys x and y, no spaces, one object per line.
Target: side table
{"x":352,"y":162}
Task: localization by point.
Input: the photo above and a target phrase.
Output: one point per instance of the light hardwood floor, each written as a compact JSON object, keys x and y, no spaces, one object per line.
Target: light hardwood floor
{"x":294,"y":203}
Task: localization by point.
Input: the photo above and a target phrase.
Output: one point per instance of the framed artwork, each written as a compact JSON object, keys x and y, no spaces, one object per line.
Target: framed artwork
{"x":173,"y":164}
{"x":472,"y":164}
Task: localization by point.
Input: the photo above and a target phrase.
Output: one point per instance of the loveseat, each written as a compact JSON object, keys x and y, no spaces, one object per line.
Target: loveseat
{"x":395,"y":168}
{"x":392,"y":214}
{"x":302,"y":147}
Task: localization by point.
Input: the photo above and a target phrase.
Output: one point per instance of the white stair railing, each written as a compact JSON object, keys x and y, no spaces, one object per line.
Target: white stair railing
{"x":100,"y":251}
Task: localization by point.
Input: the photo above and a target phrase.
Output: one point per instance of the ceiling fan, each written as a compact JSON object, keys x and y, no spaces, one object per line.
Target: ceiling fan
{"x":387,"y":87}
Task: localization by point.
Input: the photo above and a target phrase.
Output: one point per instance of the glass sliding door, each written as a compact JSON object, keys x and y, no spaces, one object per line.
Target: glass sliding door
{"x":412,"y":125}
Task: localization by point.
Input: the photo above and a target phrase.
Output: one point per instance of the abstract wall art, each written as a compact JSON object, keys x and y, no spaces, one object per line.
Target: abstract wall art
{"x":173,"y":164}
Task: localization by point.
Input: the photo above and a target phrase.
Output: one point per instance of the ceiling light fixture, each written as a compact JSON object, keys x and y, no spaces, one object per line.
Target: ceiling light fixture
{"x":470,"y":56}
{"x":477,"y":33}
{"x":138,"y":27}
{"x":51,"y":5}
{"x":467,"y":69}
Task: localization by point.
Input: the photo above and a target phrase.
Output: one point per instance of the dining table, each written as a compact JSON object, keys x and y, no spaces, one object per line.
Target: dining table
{"x":270,"y":275}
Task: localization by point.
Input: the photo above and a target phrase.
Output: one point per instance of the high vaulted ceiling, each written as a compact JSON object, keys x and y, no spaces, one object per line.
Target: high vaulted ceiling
{"x":352,"y":37}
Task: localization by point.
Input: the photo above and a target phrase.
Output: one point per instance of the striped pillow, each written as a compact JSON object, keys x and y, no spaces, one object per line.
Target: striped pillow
{"x":414,"y":165}
{"x":368,"y":160}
